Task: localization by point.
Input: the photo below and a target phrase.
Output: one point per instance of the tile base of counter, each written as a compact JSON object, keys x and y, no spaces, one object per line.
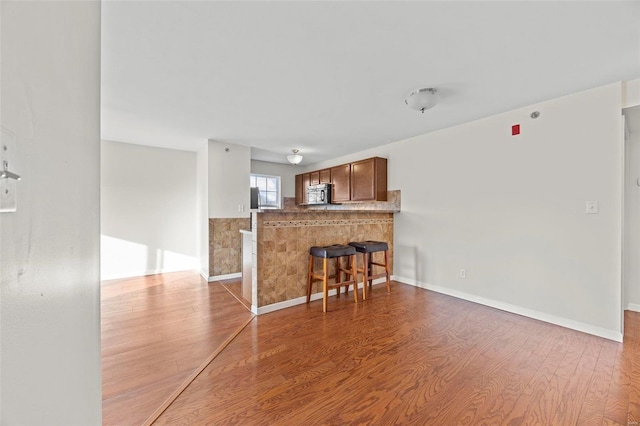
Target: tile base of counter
{"x":281,"y":243}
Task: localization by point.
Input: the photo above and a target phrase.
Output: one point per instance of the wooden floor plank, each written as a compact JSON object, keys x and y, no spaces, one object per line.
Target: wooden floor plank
{"x":617,"y":405}
{"x":513,"y":380}
{"x":156,"y":330}
{"x":592,"y":411}
{"x":409,"y":357}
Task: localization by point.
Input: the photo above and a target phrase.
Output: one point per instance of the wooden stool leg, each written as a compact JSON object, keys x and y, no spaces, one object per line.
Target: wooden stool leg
{"x":365,"y":261}
{"x":386,"y":270}
{"x":325,"y":285}
{"x":370,"y":269}
{"x":310,"y":279}
{"x":338,"y":275}
{"x":354,"y":277}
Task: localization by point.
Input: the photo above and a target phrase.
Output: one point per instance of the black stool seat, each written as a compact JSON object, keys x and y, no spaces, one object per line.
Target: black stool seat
{"x":328,"y":252}
{"x":336,"y":251}
{"x":370,"y":246}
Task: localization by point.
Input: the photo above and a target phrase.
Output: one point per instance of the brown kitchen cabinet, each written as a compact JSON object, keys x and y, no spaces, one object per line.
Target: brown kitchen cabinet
{"x":341,"y":183}
{"x":302,"y":183}
{"x":314,"y":178}
{"x":299,"y":190}
{"x":325,"y":176}
{"x":306,"y":179}
{"x":364,"y":180}
{"x":369,"y":180}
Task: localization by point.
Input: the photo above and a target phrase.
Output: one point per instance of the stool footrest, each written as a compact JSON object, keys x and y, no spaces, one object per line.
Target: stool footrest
{"x":376,"y":276}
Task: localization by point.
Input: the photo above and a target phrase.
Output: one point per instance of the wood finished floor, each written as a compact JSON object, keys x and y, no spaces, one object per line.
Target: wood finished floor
{"x":156,"y":330}
{"x":234,"y":286}
{"x":414,"y":357}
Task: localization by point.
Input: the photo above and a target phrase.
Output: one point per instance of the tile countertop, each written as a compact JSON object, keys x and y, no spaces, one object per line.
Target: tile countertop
{"x":392,"y":205}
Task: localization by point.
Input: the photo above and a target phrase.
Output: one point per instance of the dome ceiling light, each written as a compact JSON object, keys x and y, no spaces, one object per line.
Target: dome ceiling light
{"x":422,"y":99}
{"x":294,"y":158}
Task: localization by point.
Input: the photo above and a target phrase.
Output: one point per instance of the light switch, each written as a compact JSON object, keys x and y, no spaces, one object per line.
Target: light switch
{"x":8,"y":185}
{"x":592,"y":207}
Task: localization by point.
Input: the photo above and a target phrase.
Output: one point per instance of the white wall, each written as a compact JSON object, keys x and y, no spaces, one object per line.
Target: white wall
{"x":632,"y":222}
{"x":202,"y":189}
{"x":229,"y":171}
{"x":287,"y":173}
{"x":511,"y":210}
{"x":631,"y":93}
{"x":148,"y":220}
{"x":49,"y":248}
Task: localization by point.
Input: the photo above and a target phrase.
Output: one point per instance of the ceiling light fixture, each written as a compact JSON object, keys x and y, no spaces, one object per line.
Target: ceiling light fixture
{"x":294,"y":158}
{"x":422,"y":99}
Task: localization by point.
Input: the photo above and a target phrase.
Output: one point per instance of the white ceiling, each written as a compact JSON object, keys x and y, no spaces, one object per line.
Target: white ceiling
{"x":330,"y":78}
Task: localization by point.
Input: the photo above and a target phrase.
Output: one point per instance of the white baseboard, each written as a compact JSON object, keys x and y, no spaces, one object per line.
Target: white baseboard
{"x":633,"y":307}
{"x":300,"y":300}
{"x":141,"y":274}
{"x":225,"y":277}
{"x":530,"y":313}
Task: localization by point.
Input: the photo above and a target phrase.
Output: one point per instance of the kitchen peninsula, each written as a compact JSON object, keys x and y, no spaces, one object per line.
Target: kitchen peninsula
{"x":280,"y":242}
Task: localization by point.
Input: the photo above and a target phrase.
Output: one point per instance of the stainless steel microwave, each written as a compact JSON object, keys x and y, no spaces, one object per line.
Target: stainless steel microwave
{"x":319,"y":194}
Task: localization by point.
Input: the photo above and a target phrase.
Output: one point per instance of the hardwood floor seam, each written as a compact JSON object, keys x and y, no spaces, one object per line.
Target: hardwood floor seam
{"x":155,"y":332}
{"x":151,"y":420}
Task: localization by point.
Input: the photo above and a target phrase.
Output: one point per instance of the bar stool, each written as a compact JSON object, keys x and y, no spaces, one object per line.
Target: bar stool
{"x":336,"y":251}
{"x":367,"y":248}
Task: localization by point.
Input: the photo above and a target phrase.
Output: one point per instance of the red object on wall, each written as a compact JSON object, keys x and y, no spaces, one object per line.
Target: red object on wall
{"x":515,"y":129}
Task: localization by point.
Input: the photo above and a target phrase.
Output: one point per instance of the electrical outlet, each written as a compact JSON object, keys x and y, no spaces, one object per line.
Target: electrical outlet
{"x":462,"y":273}
{"x":240,"y":208}
{"x":592,"y":207}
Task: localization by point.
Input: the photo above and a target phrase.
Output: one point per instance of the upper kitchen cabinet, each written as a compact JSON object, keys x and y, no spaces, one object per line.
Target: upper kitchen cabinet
{"x":364,"y":180}
{"x":314,"y":178}
{"x":306,"y":181}
{"x":325,"y":176}
{"x":341,"y":183}
{"x":300,"y":191}
{"x":369,"y":180}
